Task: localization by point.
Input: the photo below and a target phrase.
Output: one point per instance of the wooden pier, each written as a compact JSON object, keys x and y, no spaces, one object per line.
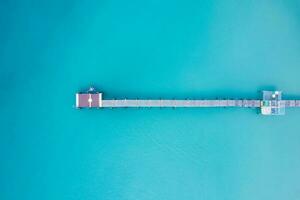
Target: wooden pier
{"x":180,"y":103}
{"x":270,"y":104}
{"x":191,"y":103}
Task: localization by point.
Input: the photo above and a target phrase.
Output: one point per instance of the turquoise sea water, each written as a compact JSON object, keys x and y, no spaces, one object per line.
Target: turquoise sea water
{"x":49,"y":50}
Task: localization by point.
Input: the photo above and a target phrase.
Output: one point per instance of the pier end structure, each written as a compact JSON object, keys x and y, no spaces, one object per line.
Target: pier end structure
{"x":89,"y":100}
{"x":272,"y":103}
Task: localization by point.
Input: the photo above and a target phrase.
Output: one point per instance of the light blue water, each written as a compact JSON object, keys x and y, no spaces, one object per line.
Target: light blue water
{"x":50,"y":50}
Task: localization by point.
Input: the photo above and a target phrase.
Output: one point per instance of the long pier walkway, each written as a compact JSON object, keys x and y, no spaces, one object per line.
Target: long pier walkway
{"x":192,"y":103}
{"x":270,"y":104}
{"x":180,"y":103}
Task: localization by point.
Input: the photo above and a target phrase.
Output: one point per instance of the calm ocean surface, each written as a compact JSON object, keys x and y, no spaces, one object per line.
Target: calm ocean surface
{"x":147,"y":49}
